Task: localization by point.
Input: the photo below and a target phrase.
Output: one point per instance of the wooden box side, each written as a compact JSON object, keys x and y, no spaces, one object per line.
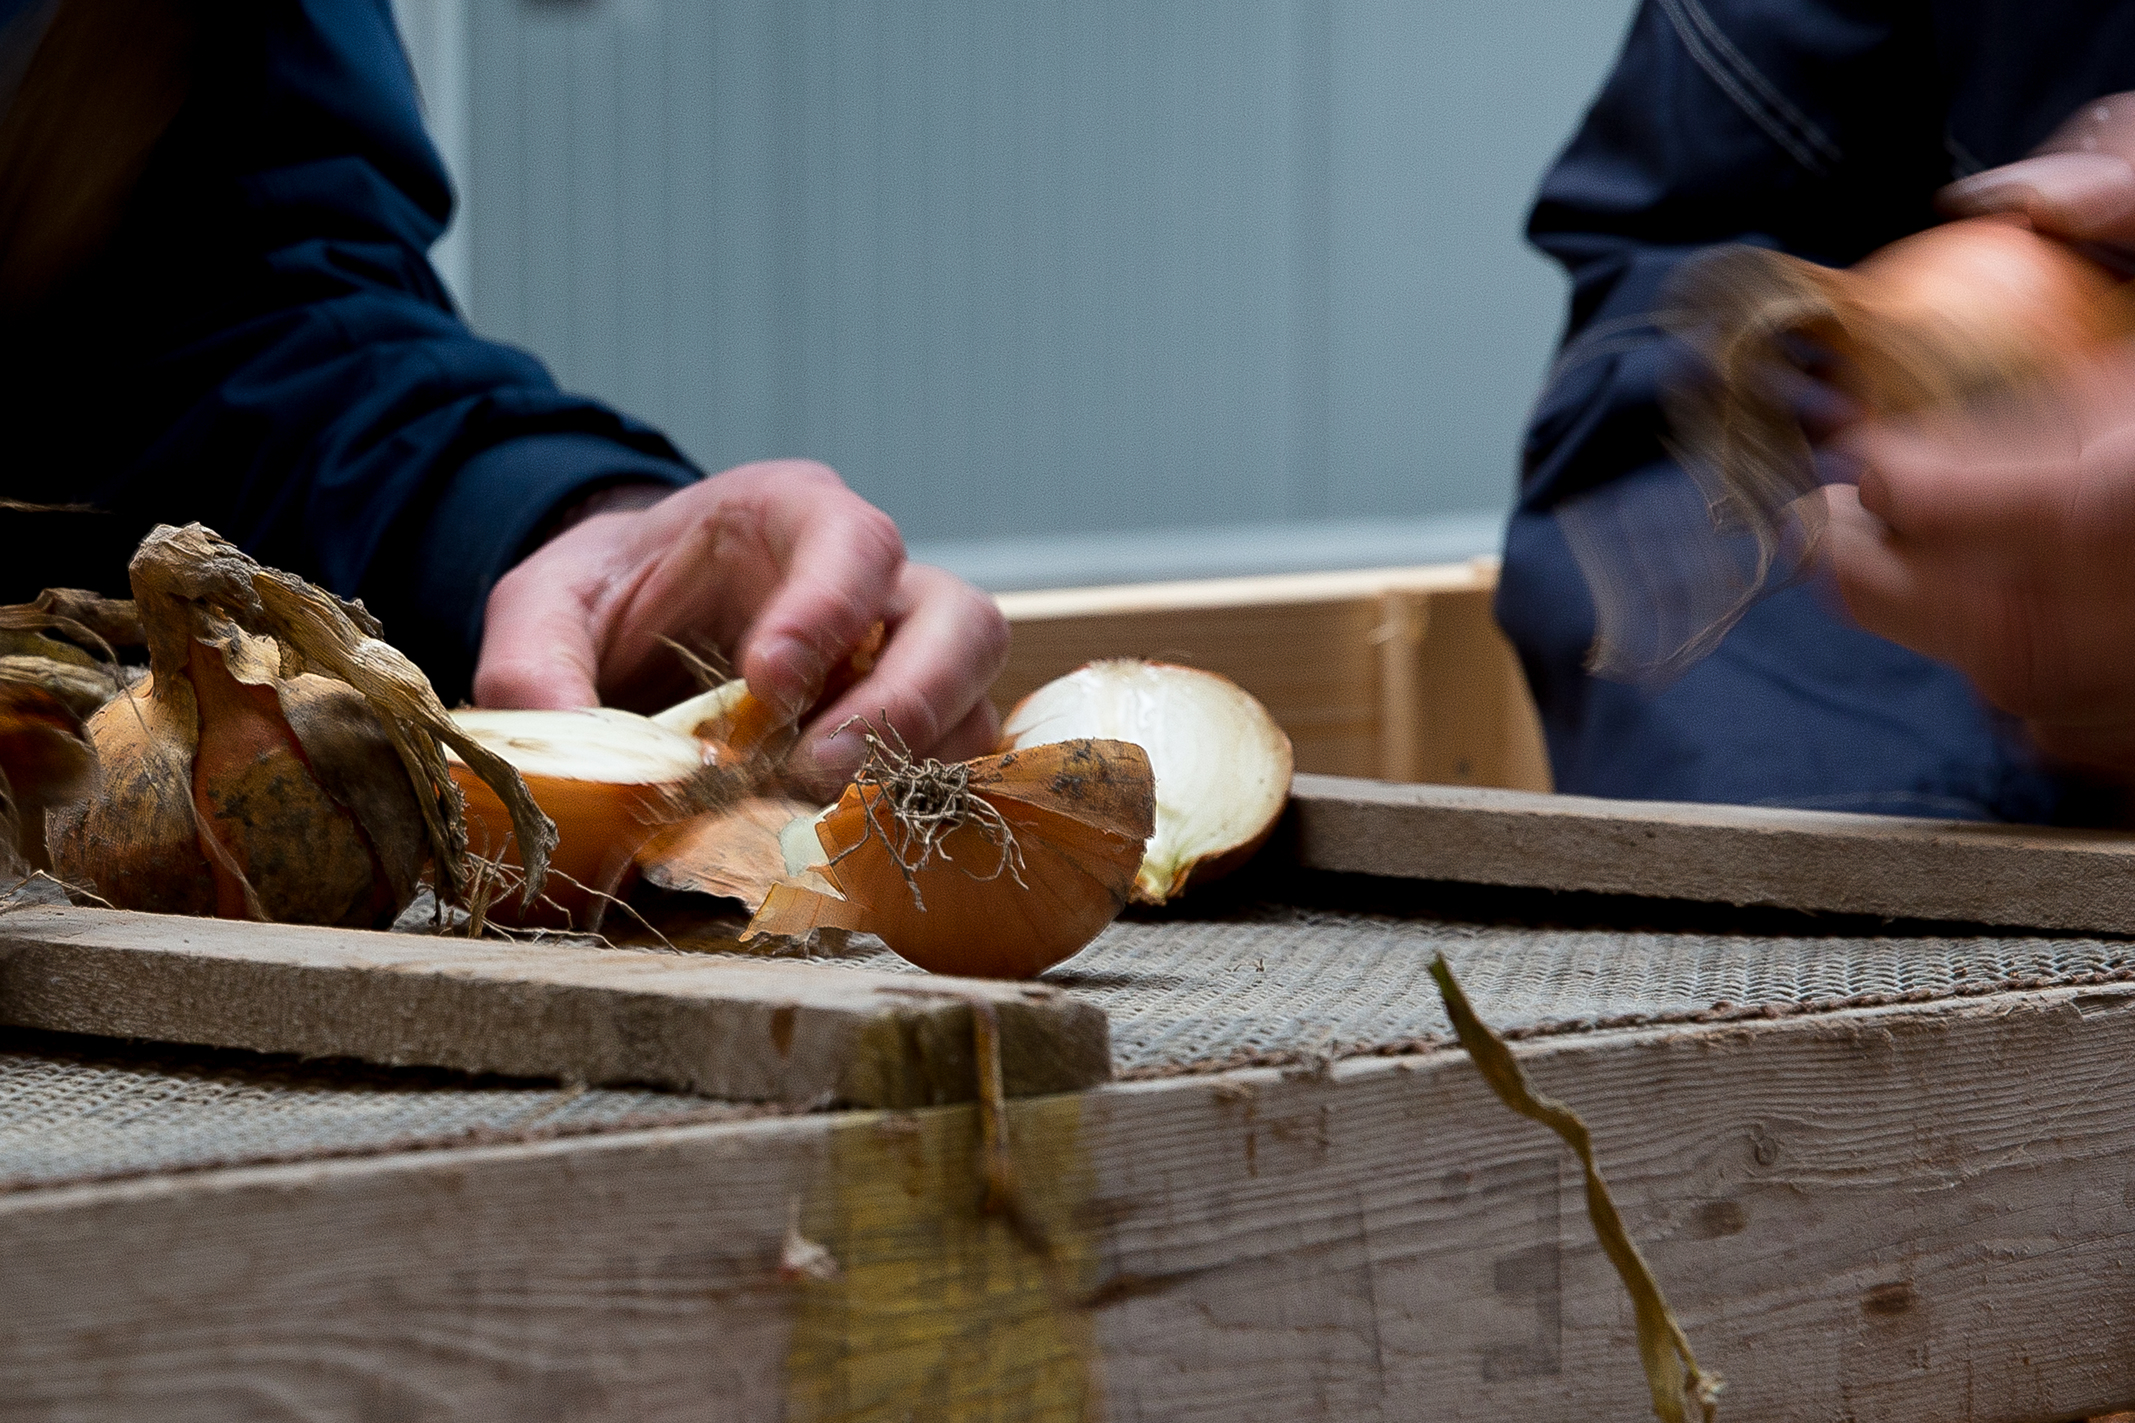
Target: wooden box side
{"x":1399,"y":674}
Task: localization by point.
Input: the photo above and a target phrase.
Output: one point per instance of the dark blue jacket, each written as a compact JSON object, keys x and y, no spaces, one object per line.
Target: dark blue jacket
{"x":263,"y":346}
{"x":1822,"y":127}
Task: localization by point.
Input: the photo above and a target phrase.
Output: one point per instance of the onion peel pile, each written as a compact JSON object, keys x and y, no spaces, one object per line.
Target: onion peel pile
{"x":1973,"y":309}
{"x":999,"y":867}
{"x":281,"y":761}
{"x":1222,"y":765}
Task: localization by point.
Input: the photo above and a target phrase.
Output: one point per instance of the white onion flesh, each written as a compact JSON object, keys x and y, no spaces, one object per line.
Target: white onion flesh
{"x":705,"y":708}
{"x":1222,"y":765}
{"x":587,"y":744}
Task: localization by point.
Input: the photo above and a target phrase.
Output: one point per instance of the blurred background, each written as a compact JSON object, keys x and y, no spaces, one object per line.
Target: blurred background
{"x":1078,"y":290}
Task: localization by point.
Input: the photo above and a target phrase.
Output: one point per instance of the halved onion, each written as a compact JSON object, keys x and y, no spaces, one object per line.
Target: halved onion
{"x":999,"y":867}
{"x":1222,"y":765}
{"x":608,"y":778}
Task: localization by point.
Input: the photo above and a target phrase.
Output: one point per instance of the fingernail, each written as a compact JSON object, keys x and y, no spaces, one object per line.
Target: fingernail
{"x":791,"y":673}
{"x":838,"y":755}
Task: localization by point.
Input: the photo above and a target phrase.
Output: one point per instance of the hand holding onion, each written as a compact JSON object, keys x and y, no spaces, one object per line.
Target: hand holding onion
{"x":783,"y":567}
{"x":1991,"y":362}
{"x":1999,"y":543}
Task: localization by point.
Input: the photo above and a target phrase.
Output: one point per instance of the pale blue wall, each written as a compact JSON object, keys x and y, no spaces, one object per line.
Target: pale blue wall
{"x":1058,"y":267}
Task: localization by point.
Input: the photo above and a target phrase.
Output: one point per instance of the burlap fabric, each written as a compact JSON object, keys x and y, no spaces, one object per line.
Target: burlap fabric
{"x":1266,"y":983}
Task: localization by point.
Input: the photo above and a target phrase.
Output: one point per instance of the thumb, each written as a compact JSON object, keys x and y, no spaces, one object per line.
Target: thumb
{"x":2086,"y":197}
{"x":537,"y":646}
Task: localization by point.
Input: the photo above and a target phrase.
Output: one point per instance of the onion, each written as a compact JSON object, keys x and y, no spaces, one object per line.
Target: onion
{"x":46,"y":759}
{"x":280,"y":761}
{"x":1977,"y":308}
{"x":609,"y":780}
{"x":672,"y":793}
{"x":1222,"y":765}
{"x":999,"y":867}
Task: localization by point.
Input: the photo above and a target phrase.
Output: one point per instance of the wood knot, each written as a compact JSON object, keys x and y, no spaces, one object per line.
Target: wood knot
{"x":1894,"y":1297}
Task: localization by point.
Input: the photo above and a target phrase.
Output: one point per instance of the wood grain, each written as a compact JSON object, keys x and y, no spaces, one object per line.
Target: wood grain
{"x":792,"y":1032}
{"x":1877,"y":1215}
{"x":1396,"y":672}
{"x":2027,"y":876}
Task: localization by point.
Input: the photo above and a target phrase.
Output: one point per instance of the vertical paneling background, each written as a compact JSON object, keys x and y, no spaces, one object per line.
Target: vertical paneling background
{"x":1035,"y":267}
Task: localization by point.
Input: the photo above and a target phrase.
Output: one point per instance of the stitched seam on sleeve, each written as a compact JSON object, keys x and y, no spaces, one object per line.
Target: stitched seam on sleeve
{"x":1751,"y":92}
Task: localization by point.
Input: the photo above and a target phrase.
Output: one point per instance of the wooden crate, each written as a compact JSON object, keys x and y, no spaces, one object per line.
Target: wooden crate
{"x":1896,"y":1206}
{"x":1396,"y":673}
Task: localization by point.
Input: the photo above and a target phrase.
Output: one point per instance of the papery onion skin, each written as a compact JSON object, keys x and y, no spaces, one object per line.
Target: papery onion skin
{"x":302,"y":854}
{"x":609,"y":779}
{"x":281,"y":760}
{"x":1976,"y":309}
{"x":134,"y":842}
{"x":734,"y":853}
{"x":208,"y":792}
{"x":1080,"y":811}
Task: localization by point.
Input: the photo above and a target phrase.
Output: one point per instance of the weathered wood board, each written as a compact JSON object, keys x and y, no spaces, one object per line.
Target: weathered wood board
{"x":1393,"y":672}
{"x":1881,"y":1215}
{"x":2030,"y":877}
{"x":751,"y":1031}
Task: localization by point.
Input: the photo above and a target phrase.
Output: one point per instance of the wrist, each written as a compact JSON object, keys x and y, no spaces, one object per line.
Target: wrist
{"x":623,"y":497}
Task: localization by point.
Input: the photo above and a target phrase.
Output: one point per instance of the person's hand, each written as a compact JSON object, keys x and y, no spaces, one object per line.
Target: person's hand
{"x":783,"y":568}
{"x":2079,"y":184}
{"x":2004,"y":545}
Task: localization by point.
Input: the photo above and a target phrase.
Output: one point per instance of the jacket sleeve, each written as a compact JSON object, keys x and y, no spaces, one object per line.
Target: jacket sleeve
{"x":1814,"y":126}
{"x":264,"y":347}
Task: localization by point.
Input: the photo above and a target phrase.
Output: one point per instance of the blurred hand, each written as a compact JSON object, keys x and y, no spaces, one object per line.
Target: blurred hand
{"x":2004,"y":545}
{"x":786,"y":569}
{"x":2079,"y":185}
{"x":2003,"y":542}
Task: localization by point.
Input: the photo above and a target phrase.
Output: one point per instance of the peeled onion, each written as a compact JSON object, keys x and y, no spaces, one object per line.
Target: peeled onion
{"x":1222,"y":765}
{"x":609,"y":779}
{"x":1032,"y":853}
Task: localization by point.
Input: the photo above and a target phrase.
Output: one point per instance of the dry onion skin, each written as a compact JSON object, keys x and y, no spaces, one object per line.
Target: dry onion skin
{"x":281,"y":761}
{"x":1222,"y":765}
{"x":998,"y":867}
{"x":1971,"y":309}
{"x":736,"y":852}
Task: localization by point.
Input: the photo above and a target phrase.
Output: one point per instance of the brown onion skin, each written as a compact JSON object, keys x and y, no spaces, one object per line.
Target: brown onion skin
{"x":302,"y":853}
{"x":1080,"y":811}
{"x":133,"y":842}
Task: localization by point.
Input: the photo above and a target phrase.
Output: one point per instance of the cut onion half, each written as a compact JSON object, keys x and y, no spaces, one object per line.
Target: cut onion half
{"x":1222,"y":765}
{"x":608,"y":778}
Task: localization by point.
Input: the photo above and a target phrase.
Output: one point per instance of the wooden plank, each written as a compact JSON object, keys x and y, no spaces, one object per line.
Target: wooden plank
{"x":1250,"y":593}
{"x":1825,"y":861}
{"x":1877,"y":1215}
{"x":780,"y":1031}
{"x":1433,"y":694}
